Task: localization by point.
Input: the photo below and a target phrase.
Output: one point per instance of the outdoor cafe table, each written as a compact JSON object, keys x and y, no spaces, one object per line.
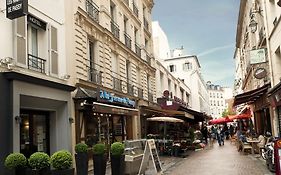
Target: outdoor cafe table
{"x":252,"y":142}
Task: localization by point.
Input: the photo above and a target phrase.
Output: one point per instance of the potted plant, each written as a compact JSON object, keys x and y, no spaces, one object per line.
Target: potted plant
{"x":117,"y":158}
{"x":99,"y":159}
{"x":61,"y":162}
{"x":81,"y":158}
{"x":16,"y":162}
{"x":39,"y":163}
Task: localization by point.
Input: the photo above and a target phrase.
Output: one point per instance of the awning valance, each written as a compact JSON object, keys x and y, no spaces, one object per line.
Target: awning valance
{"x":251,"y":96}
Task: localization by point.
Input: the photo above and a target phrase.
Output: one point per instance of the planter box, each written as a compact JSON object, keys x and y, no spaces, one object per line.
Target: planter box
{"x":45,"y":171}
{"x":21,"y":171}
{"x":63,"y":172}
{"x":99,"y":164}
{"x":81,"y":160}
{"x":117,"y":165}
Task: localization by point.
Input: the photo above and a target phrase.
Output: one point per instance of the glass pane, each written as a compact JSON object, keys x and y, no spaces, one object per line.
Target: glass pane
{"x":39,"y":133}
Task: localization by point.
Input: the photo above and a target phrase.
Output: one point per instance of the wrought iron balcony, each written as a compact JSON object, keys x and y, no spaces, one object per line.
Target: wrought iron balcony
{"x":117,"y":84}
{"x":128,"y":41}
{"x":145,"y":24}
{"x":95,"y":76}
{"x":92,"y":10}
{"x":148,"y":59}
{"x":135,"y":10}
{"x":140,"y":93}
{"x":130,"y":89}
{"x":138,"y":50}
{"x":150,"y":96}
{"x":35,"y":63}
{"x":115,"y":29}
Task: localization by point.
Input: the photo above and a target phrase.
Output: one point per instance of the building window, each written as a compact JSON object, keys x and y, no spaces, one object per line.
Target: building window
{"x":172,"y":68}
{"x":187,"y":66}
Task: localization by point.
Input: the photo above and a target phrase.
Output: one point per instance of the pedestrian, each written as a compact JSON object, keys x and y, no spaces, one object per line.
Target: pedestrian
{"x":231,"y":130}
{"x":204,"y":132}
{"x":220,"y":136}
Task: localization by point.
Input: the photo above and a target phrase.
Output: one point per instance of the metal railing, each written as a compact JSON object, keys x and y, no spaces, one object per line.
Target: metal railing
{"x":148,"y":59}
{"x":128,"y":41}
{"x":115,"y":29}
{"x":145,"y":24}
{"x":117,"y":83}
{"x":35,"y":63}
{"x":135,"y":10}
{"x":92,"y":10}
{"x":137,"y":50}
{"x":95,"y":76}
{"x":150,"y":96}
{"x":130,"y":89}
{"x":140,"y":93}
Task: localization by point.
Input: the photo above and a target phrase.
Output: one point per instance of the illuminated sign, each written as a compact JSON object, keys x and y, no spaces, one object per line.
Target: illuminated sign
{"x":107,"y":96}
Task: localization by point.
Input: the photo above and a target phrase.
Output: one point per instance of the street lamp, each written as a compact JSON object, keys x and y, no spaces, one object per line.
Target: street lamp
{"x":253,"y":25}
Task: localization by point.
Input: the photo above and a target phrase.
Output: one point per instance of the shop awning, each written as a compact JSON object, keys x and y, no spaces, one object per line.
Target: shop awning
{"x":250,"y":96}
{"x":220,"y":120}
{"x":157,"y":111}
{"x":112,"y":109}
{"x":83,"y":93}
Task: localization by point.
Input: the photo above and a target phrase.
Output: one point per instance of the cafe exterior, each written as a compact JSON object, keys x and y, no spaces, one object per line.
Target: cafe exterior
{"x":104,"y":116}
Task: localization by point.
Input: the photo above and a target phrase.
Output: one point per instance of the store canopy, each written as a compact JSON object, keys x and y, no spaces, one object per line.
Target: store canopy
{"x":220,"y":120}
{"x":245,"y":115}
{"x":251,"y":96}
{"x":165,"y":119}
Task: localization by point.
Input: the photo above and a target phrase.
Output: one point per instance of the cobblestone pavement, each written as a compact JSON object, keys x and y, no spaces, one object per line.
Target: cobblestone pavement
{"x":216,"y":160}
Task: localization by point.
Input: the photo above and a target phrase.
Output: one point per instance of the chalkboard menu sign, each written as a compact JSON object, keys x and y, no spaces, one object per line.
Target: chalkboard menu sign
{"x":150,"y":150}
{"x":16,"y":8}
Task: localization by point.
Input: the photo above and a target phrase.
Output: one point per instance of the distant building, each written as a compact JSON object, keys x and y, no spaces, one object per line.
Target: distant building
{"x":218,"y":98}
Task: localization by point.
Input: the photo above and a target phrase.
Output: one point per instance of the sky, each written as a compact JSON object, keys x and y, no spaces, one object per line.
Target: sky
{"x":206,"y":28}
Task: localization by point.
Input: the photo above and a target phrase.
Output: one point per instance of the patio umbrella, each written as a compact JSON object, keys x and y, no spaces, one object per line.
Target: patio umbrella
{"x":220,"y":120}
{"x":165,"y":119}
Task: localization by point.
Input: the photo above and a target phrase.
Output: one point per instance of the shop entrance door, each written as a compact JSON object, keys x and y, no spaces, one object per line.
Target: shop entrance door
{"x":34,"y":132}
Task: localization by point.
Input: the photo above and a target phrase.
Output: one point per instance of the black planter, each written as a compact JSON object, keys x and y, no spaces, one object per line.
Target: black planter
{"x":81,"y":160}
{"x":63,"y":172}
{"x":117,"y":164}
{"x":99,"y":164}
{"x":21,"y":171}
{"x":44,"y":171}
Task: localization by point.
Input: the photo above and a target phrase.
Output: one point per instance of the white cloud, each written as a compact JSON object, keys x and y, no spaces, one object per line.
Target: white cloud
{"x":215,"y":49}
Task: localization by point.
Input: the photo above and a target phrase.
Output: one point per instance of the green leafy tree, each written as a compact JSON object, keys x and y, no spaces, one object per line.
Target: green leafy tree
{"x":227,"y":112}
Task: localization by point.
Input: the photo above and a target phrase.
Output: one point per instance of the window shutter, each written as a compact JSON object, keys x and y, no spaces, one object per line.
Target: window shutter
{"x":21,"y":30}
{"x":54,"y":50}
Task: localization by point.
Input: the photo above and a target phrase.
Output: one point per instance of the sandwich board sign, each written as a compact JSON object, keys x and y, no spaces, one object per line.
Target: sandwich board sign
{"x":150,"y":150}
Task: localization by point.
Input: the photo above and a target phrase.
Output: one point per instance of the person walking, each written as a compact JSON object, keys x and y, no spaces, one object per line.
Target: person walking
{"x":204,"y":132}
{"x":220,"y":136}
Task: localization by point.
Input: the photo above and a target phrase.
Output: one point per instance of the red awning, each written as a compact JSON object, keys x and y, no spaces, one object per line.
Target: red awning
{"x":220,"y":121}
{"x":240,"y":116}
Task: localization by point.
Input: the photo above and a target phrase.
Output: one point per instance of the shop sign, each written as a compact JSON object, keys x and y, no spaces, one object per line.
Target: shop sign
{"x":16,"y":8}
{"x":37,"y":23}
{"x":257,"y":56}
{"x":115,"y":99}
{"x":260,"y":73}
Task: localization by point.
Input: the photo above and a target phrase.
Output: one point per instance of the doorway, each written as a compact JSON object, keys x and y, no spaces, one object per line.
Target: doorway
{"x":34,"y":132}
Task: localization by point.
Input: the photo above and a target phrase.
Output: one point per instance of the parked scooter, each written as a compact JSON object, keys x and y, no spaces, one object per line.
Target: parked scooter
{"x":268,"y":152}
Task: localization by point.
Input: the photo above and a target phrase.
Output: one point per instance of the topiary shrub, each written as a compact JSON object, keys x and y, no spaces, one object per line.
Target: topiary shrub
{"x":117,"y":148}
{"x":61,"y":160}
{"x":99,"y":149}
{"x":39,"y":160}
{"x":15,"y":160}
{"x":81,"y":148}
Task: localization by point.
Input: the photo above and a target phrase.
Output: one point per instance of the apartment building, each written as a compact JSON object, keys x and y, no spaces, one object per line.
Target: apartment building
{"x":114,"y":68}
{"x":36,"y":102}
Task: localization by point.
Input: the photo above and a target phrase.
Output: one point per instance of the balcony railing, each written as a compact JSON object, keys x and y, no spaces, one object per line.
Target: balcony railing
{"x":117,"y":84}
{"x":35,"y":63}
{"x":150,"y":96}
{"x":95,"y":76}
{"x":138,"y":50}
{"x":148,"y":59}
{"x":92,"y":10}
{"x":115,"y":29}
{"x":130,"y":89}
{"x":140,"y":93}
{"x":145,"y":24}
{"x":128,"y":41}
{"x":135,"y":9}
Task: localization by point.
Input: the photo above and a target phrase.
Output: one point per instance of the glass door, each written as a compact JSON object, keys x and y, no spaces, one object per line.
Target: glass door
{"x":34,"y":132}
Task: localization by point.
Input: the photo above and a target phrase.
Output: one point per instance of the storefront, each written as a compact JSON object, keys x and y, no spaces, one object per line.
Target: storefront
{"x":259,"y":104}
{"x":102,"y":116}
{"x":274,"y":96}
{"x":35,"y":115}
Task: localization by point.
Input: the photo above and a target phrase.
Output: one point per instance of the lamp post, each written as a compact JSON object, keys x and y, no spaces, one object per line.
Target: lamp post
{"x":253,"y":25}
